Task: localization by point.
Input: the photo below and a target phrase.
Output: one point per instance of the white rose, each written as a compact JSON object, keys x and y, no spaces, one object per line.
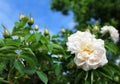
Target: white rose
{"x":113,"y":32}
{"x":89,"y":51}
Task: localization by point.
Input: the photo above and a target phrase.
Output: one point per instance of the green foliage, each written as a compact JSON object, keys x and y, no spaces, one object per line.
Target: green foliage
{"x":32,"y":57}
{"x":42,"y":76}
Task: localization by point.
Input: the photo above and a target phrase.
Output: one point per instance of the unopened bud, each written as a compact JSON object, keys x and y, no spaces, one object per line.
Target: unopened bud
{"x":63,"y":30}
{"x":46,"y":32}
{"x":36,"y":27}
{"x":30,"y":21}
{"x":6,"y":34}
{"x":21,"y":17}
{"x":87,"y":30}
{"x":95,"y":29}
{"x":60,"y":56}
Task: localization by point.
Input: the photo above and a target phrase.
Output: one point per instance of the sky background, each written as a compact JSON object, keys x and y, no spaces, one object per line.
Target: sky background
{"x":40,"y":10}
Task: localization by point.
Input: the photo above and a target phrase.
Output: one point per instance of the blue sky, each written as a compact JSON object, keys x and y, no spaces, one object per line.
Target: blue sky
{"x":40,"y":10}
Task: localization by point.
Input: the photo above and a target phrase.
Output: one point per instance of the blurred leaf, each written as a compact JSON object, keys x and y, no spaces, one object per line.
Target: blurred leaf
{"x":115,"y":68}
{"x":112,"y":47}
{"x":2,"y":66}
{"x":29,"y":55}
{"x":29,"y":37}
{"x":1,"y":42}
{"x":30,"y":71}
{"x":50,"y":47}
{"x":58,"y":69}
{"x":79,"y":76}
{"x":35,"y":45}
{"x":55,"y":36}
{"x":6,"y":57}
{"x":71,"y":64}
{"x":30,"y":60}
{"x":21,"y":23}
{"x":106,"y":73}
{"x":58,"y":48}
{"x":4,"y":81}
{"x":42,"y":76}
{"x":8,"y":49}
{"x":37,"y":36}
{"x":28,"y":51}
{"x":44,"y":40}
{"x":19,"y":66}
{"x":10,"y":42}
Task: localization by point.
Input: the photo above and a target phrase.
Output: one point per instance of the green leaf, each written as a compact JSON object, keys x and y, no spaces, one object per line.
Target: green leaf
{"x":44,"y":40}
{"x":58,"y":69}
{"x":106,"y":73}
{"x":28,"y":54}
{"x":55,"y":36}
{"x":35,"y":45}
{"x":28,"y":51}
{"x":29,"y":37}
{"x":2,"y":66}
{"x":37,"y":36}
{"x":115,"y":68}
{"x":79,"y":76}
{"x":19,"y":66}
{"x":8,"y":49}
{"x":16,"y":24}
{"x":7,"y":56}
{"x":21,"y":23}
{"x":30,"y":60}
{"x":42,"y":76}
{"x":58,"y":48}
{"x":50,"y":47}
{"x":30,"y":71}
{"x":4,"y":81}
{"x":1,"y":42}
{"x":10,"y":42}
{"x":112,"y":47}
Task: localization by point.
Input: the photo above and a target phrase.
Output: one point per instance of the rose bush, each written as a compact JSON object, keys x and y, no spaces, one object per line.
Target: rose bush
{"x":29,"y":56}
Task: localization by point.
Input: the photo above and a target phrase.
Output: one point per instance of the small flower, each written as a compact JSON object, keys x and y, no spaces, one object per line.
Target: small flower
{"x":89,"y":51}
{"x":113,"y":32}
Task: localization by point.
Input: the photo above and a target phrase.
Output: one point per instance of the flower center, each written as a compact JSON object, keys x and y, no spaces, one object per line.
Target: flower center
{"x":88,"y":49}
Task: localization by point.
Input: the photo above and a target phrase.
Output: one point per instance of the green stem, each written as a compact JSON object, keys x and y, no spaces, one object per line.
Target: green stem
{"x":92,"y":77}
{"x":4,"y":81}
{"x":86,"y":76}
{"x":12,"y":67}
{"x":10,"y":72}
